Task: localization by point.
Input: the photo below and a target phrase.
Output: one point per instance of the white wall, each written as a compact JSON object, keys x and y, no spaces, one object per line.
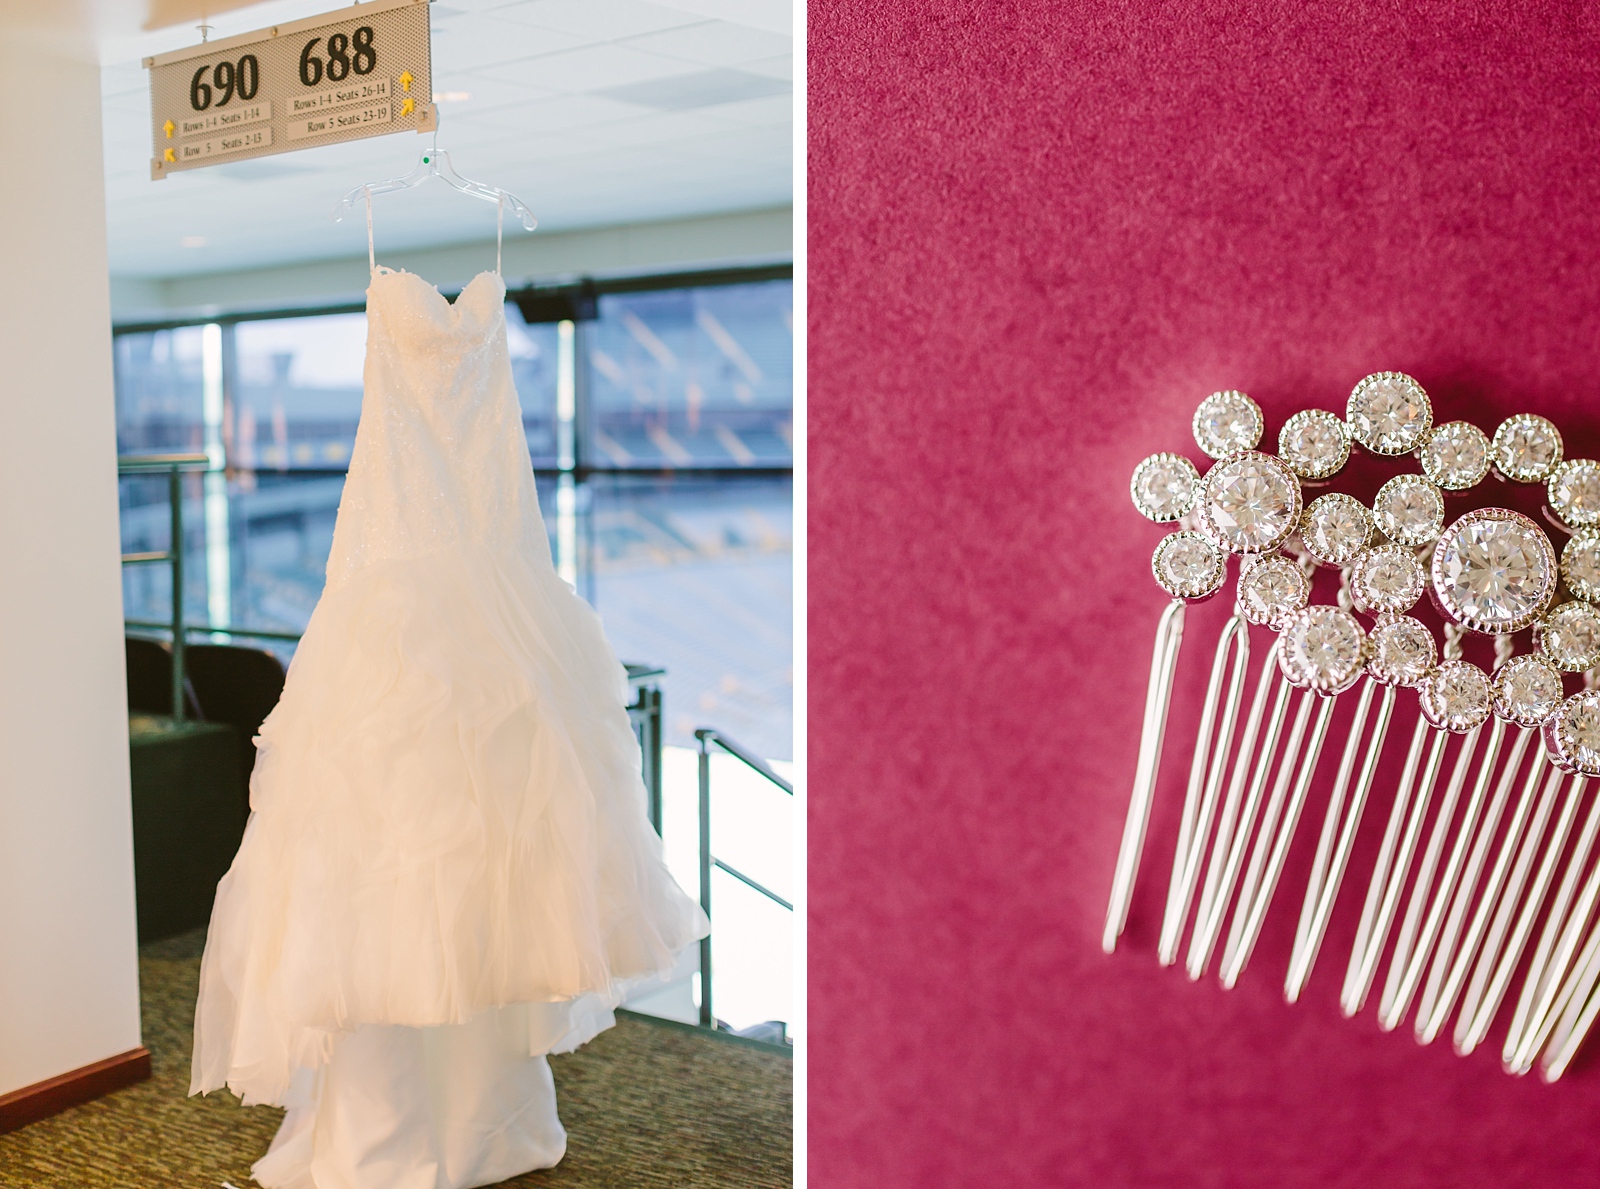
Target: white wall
{"x":707,"y":241}
{"x":68,"y":961}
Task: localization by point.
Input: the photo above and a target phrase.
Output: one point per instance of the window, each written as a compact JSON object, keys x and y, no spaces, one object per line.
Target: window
{"x":296,"y":392}
{"x":694,"y":377}
{"x":160,"y":384}
{"x":660,"y":430}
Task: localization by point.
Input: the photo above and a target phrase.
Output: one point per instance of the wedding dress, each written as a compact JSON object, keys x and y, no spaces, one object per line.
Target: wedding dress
{"x":448,"y":870}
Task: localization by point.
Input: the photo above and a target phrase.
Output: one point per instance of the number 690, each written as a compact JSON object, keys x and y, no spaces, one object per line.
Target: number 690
{"x":229,"y":80}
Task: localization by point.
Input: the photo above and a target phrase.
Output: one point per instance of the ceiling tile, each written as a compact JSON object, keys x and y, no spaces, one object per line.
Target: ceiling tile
{"x":714,"y":43}
{"x":657,"y":128}
{"x":589,"y":68}
{"x":598,"y":20}
{"x":780,"y":67}
{"x":486,"y":93}
{"x":765,"y":112}
{"x":564,"y":112}
{"x":467,"y":42}
{"x":700,"y":89}
{"x":775,"y":16}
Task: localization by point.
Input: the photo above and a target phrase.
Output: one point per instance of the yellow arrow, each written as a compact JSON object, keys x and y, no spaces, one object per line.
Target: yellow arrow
{"x":406,"y":79}
{"x":167,"y":128}
{"x":169,"y":155}
{"x":407,"y":107}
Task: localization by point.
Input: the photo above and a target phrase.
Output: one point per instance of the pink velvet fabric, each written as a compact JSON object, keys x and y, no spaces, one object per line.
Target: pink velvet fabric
{"x":1039,"y":233}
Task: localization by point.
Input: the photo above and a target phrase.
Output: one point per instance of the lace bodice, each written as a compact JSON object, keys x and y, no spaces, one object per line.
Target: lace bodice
{"x":440,"y":458}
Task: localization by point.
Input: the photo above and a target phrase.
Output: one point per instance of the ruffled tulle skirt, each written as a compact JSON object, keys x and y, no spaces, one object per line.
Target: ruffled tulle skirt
{"x":447,"y":818}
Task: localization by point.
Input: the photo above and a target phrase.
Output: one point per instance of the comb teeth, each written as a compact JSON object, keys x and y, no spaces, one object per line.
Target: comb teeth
{"x":1211,"y":749}
{"x":1480,"y":873}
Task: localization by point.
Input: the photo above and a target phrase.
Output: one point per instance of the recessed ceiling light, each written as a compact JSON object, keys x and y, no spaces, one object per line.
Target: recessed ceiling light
{"x":451,"y":96}
{"x":192,"y":241}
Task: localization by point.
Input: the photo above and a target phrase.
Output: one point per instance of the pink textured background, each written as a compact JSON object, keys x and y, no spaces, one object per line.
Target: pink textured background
{"x":1039,"y":233}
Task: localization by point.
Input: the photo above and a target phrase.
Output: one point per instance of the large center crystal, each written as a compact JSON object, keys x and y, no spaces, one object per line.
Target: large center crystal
{"x":1492,"y":570}
{"x":1252,"y":503}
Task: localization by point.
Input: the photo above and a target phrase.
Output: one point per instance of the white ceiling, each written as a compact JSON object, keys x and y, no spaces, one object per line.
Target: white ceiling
{"x":593,"y":112}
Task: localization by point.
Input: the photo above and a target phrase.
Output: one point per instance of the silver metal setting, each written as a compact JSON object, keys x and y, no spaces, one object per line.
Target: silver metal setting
{"x":1386,"y":580}
{"x":1574,"y":492}
{"x":1455,"y":455}
{"x":1404,"y":652}
{"x":1473,"y":560}
{"x":1389,"y":413}
{"x":1271,"y":588}
{"x":1334,"y":528}
{"x":1226,"y":423}
{"x":1526,"y":449}
{"x":1164,"y":487}
{"x":1323,"y":649}
{"x":1408,"y":509}
{"x":1569,"y":635}
{"x":1457,"y":698}
{"x":1527,"y":690}
{"x":1188,"y":566}
{"x":1580,"y":564}
{"x":1249,"y":503}
{"x":1315,"y":444}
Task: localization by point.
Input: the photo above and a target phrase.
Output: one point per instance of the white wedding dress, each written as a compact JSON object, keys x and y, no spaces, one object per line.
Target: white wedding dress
{"x":448,"y":870}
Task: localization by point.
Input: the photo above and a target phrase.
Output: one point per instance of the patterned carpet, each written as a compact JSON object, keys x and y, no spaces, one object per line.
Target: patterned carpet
{"x":645,"y":1104}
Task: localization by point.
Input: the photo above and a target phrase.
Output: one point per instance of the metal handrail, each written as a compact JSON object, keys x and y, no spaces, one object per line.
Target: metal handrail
{"x":173,"y":466}
{"x":712,"y":735}
{"x":211,"y":630}
{"x":709,"y":737}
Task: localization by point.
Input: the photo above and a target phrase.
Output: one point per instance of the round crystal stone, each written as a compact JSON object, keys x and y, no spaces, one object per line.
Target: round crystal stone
{"x":1323,"y":648}
{"x":1570,"y":636}
{"x":1526,"y":448}
{"x":1314,"y":443}
{"x":1188,"y":566}
{"x":1403,"y":651}
{"x":1580,"y":565}
{"x":1527,"y":690}
{"x":1389,"y":413}
{"x":1457,"y":697}
{"x":1494,"y":571}
{"x":1388,"y":579}
{"x":1164,"y":487}
{"x":1408,"y":509}
{"x":1455,"y":456}
{"x":1250,"y":503}
{"x":1226,"y":423}
{"x":1335,"y":528}
{"x":1271,"y":589}
{"x":1574,"y":491}
{"x":1572,"y":734}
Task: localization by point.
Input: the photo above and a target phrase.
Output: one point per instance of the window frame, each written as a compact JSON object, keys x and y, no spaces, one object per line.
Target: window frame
{"x":573,"y":294}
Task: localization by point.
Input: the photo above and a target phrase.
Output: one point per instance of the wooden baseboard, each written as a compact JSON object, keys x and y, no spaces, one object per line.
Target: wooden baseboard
{"x":53,"y":1095}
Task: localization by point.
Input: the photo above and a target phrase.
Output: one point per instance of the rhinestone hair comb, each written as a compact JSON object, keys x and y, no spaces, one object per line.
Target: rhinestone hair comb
{"x":1486,"y":872}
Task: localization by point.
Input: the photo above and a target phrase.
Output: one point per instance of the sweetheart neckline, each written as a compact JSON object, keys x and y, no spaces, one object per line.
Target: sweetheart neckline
{"x":452,"y":307}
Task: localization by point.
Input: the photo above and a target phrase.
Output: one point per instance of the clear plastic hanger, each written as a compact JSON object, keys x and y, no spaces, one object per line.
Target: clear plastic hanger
{"x":435,"y":163}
